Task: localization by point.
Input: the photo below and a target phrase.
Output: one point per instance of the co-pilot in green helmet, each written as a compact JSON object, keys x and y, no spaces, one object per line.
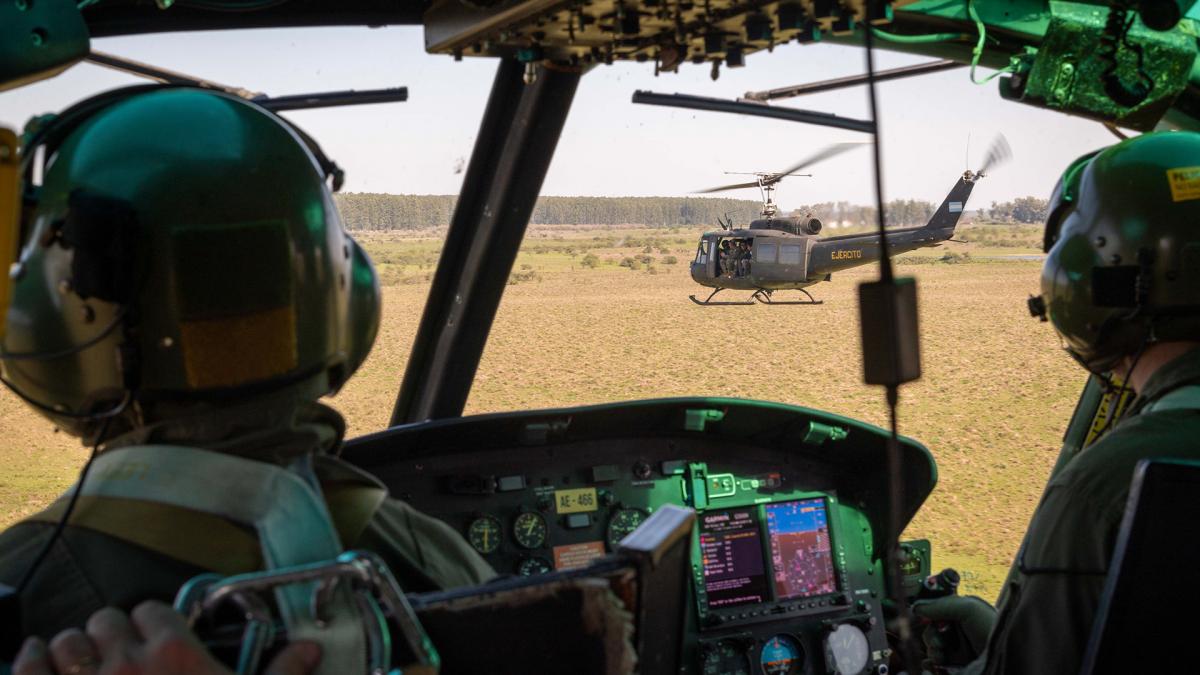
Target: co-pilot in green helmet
{"x":1123,"y":249}
{"x":183,"y":246}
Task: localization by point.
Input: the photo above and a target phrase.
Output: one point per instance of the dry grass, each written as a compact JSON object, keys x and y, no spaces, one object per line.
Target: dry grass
{"x":992,"y":404}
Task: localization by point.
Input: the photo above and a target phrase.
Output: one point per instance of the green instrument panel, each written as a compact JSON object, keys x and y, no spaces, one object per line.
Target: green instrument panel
{"x":784,"y":565}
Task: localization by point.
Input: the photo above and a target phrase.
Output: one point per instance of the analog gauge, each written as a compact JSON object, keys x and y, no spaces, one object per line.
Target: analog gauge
{"x":530,"y":530}
{"x":531,"y":566}
{"x":782,"y":655}
{"x":726,"y":657}
{"x":484,"y":534}
{"x":622,"y":523}
{"x":846,"y":650}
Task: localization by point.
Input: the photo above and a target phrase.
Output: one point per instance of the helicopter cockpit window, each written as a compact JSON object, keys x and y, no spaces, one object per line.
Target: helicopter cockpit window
{"x":789,"y":254}
{"x":767,"y":252}
{"x":702,"y":252}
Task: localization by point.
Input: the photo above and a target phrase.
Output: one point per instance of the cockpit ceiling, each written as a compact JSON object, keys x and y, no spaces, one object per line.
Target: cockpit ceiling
{"x":666,"y":32}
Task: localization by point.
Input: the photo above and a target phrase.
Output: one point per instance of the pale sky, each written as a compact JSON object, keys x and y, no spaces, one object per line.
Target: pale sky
{"x":610,"y":146}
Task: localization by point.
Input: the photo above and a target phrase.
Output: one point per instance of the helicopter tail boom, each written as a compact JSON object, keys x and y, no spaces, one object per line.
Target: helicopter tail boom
{"x":948,"y":214}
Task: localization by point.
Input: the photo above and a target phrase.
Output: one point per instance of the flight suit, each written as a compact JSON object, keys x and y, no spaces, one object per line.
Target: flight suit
{"x":121,"y":552}
{"x":1046,"y":621}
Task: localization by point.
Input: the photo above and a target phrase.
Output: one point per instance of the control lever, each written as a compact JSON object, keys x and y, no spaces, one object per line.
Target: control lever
{"x":940,"y":585}
{"x":945,"y":641}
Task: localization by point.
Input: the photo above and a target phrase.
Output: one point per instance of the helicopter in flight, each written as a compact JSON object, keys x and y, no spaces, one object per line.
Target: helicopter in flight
{"x":776,"y":252}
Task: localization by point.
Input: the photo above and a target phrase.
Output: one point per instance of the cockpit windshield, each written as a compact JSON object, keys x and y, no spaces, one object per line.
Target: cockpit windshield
{"x":595,"y":308}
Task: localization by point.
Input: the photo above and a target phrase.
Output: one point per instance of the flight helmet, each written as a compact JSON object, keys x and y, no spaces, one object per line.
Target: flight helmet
{"x":1122,"y":245}
{"x":181,"y":245}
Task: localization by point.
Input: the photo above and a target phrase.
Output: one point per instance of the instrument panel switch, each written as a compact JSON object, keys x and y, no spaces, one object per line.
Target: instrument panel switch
{"x":674,"y":467}
{"x":576,"y":521}
{"x":605,"y":473}
{"x":510,"y":483}
{"x":641,"y":470}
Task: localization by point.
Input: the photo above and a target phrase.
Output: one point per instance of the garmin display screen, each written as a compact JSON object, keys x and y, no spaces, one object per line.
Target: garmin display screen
{"x":732,"y":552}
{"x":801,"y":555}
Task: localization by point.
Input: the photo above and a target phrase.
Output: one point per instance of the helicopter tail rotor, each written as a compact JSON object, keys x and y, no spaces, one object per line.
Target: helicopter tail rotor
{"x":997,"y":154}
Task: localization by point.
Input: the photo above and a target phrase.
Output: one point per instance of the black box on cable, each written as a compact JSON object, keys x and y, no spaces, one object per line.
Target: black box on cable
{"x":891,"y":344}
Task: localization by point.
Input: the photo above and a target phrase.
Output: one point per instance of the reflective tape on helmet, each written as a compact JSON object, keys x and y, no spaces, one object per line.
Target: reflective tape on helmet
{"x":10,"y":210}
{"x":1185,"y":183}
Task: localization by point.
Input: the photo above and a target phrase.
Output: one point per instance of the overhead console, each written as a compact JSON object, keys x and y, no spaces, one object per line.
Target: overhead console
{"x":601,"y":31}
{"x":791,"y":504}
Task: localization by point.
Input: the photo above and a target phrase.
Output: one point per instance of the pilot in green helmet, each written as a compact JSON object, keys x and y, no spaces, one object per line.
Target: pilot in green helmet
{"x":1121,"y":286}
{"x":184,"y":295}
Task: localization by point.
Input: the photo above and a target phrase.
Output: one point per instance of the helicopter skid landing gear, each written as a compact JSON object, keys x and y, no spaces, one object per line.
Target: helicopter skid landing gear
{"x":763,"y":295}
{"x":708,"y":301}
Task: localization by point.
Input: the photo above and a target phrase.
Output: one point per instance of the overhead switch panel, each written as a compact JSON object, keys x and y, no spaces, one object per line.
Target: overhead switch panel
{"x":602,"y":31}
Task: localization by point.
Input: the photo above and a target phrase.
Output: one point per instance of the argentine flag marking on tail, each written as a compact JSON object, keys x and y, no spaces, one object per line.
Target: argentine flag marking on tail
{"x":956,"y":207}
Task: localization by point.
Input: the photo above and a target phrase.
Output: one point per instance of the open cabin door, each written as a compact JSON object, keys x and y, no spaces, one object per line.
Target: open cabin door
{"x":706,"y":256}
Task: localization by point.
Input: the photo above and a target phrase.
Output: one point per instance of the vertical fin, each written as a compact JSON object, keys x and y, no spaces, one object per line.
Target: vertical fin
{"x":953,"y":206}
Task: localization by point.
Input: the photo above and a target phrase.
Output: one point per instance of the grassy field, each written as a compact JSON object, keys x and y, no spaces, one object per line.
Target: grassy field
{"x":573,"y":329}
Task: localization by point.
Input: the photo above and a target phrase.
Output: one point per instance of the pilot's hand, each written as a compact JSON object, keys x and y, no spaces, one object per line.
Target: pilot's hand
{"x":957,"y":628}
{"x":157,"y":640}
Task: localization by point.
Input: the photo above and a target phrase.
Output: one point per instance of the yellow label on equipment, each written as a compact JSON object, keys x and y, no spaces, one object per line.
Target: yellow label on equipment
{"x":10,"y":211}
{"x":575,"y":501}
{"x":1185,"y":183}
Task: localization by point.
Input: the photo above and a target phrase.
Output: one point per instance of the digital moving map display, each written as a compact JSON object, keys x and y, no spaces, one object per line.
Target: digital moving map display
{"x":732,"y":551}
{"x":801,"y":554}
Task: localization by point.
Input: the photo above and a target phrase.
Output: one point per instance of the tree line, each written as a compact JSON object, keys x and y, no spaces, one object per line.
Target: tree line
{"x":370,"y":211}
{"x":366,"y":211}
{"x":1020,"y":210}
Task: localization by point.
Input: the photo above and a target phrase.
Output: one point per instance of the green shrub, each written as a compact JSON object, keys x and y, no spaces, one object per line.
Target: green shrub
{"x":523,"y":276}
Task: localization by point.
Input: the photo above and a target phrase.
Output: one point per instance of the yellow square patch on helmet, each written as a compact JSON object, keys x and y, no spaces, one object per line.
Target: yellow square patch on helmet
{"x":1185,"y":183}
{"x":233,"y":285}
{"x":236,"y":350}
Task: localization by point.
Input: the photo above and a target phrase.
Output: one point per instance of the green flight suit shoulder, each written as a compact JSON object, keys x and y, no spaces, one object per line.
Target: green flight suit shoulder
{"x":106,"y":557}
{"x":1046,"y":622}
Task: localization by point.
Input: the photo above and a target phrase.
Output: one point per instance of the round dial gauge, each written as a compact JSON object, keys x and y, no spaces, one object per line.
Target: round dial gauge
{"x":726,"y":657}
{"x":622,"y":524}
{"x":531,"y":566}
{"x":782,"y":655}
{"x":484,"y":534}
{"x":846,"y":650}
{"x":530,"y":530}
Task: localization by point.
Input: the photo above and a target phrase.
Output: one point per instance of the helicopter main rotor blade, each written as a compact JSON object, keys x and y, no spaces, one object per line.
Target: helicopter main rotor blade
{"x":722,"y":188}
{"x":819,"y":156}
{"x":998,"y":154}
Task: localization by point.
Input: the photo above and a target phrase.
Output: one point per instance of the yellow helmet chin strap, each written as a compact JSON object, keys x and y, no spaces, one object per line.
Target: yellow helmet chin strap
{"x":10,"y":203}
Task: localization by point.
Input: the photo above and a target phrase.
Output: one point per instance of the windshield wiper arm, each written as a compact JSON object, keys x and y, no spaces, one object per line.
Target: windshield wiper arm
{"x":853,"y":80}
{"x":753,"y":108}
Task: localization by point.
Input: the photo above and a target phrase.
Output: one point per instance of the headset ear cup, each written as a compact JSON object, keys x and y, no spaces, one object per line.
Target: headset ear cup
{"x":364,"y":309}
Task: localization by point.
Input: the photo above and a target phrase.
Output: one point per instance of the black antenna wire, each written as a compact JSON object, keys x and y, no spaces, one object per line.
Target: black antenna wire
{"x":66,"y":516}
{"x":895,"y":483}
